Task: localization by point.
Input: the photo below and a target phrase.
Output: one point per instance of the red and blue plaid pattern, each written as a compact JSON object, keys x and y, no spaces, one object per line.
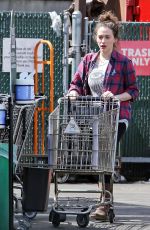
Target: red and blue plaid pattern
{"x":119,"y":77}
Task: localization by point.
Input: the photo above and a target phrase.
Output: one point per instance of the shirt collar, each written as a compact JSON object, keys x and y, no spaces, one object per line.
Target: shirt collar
{"x":95,"y":55}
{"x":114,"y":54}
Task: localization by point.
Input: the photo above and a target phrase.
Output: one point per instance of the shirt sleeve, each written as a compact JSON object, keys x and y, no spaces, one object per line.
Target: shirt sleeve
{"x":130,"y":80}
{"x":80,"y":77}
{"x":77,"y":81}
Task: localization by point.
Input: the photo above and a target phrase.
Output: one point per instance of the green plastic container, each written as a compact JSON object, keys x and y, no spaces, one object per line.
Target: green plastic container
{"x":4,"y":183}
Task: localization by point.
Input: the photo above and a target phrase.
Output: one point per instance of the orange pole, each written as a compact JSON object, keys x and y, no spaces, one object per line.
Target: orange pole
{"x":51,"y":93}
{"x":35,"y":128}
{"x":43,"y":112}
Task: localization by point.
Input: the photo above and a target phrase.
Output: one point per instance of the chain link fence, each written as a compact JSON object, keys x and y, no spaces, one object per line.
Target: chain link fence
{"x":34,"y":25}
{"x":136,"y":142}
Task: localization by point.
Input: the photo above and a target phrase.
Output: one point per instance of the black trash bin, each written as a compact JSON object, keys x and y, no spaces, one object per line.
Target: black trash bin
{"x":36,"y":185}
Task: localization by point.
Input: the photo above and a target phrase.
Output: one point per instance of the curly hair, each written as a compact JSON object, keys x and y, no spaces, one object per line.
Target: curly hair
{"x":108,"y":19}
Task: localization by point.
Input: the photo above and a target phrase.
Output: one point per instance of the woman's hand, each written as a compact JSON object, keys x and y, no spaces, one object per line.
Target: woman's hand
{"x":72,"y":94}
{"x":121,"y":97}
{"x":107,"y":95}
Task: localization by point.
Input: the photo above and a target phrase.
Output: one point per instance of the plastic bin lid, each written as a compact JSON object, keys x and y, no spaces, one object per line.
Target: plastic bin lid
{"x":4,"y":149}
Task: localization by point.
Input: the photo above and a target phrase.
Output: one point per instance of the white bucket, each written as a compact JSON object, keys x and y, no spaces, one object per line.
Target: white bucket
{"x":2,"y":116}
{"x":24,"y":89}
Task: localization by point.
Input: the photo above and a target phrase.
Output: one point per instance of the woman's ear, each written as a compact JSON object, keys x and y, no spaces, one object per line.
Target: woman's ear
{"x":116,"y":43}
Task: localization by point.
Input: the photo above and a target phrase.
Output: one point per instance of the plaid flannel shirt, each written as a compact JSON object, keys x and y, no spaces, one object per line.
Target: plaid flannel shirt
{"x":119,"y":78}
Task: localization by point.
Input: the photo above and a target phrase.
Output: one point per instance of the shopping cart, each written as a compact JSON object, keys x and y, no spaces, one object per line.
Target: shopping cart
{"x":22,"y":127}
{"x":82,"y":139}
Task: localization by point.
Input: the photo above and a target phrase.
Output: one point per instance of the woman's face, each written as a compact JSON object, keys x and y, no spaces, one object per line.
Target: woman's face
{"x":105,"y":40}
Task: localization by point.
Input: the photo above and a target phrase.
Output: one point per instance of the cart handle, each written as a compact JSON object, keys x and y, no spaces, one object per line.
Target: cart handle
{"x":92,"y":98}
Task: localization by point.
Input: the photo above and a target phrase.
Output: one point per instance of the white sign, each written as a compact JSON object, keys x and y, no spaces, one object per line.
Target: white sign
{"x":24,"y":54}
{"x":72,"y":127}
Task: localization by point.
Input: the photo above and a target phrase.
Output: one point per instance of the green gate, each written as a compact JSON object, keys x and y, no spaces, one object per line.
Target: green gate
{"x":135,"y":146}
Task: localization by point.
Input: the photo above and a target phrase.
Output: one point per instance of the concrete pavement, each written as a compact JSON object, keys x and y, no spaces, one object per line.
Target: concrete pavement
{"x":131,"y":205}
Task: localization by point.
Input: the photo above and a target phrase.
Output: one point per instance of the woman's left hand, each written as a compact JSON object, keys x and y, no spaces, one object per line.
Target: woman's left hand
{"x":107,"y":95}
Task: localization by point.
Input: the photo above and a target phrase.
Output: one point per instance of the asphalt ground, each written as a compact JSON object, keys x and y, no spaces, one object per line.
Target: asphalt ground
{"x":131,"y":207}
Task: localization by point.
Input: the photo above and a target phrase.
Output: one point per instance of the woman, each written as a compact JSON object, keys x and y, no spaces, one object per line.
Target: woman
{"x":107,"y":73}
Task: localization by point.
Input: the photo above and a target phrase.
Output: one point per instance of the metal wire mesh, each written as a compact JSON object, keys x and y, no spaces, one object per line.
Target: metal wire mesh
{"x":22,"y":126}
{"x":83,"y":135}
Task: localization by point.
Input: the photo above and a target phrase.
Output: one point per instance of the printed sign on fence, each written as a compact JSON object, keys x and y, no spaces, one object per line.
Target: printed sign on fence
{"x":24,"y":54}
{"x":139,"y":53}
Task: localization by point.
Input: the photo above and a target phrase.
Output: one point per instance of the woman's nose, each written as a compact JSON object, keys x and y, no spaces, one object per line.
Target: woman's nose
{"x":103,"y":39}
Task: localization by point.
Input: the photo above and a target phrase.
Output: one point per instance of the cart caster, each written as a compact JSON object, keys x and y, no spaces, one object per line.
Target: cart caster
{"x":21,"y":228}
{"x":116,"y":177}
{"x":111,"y":216}
{"x":62,"y":178}
{"x":62,"y":216}
{"x":30,"y":215}
{"x":54,"y":217}
{"x":82,"y":220}
{"x":24,"y":225}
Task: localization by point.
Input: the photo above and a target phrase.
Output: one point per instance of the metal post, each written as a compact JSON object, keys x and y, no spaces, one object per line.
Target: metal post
{"x":65,"y":53}
{"x":80,"y":5}
{"x":13,"y":55}
{"x":10,"y":103}
{"x":90,"y":36}
{"x":10,"y":111}
{"x":86,"y":34}
{"x":76,"y":40}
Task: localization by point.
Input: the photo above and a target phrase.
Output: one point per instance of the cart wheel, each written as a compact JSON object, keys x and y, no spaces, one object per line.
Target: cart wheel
{"x":54,"y":218}
{"x":82,"y":220}
{"x":62,"y":178}
{"x":22,"y":228}
{"x":62,"y":216}
{"x":116,"y":177}
{"x":24,"y":225}
{"x":30,"y":215}
{"x":111,"y":216}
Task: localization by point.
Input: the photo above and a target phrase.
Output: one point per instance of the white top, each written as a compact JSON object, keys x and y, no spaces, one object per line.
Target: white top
{"x":96,"y":78}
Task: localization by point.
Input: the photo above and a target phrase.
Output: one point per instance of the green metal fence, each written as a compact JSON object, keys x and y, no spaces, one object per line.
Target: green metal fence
{"x":33,"y":25}
{"x":135,"y":145}
{"x":136,"y":142}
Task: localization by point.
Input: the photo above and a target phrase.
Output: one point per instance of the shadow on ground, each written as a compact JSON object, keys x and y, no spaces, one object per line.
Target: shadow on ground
{"x":128,"y":216}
